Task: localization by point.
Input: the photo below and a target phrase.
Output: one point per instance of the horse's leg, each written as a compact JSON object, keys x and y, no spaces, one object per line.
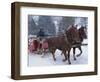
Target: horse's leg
{"x":74,"y":53}
{"x":64,"y":52}
{"x":69,"y":57}
{"x":53,"y":51}
{"x":79,"y":47}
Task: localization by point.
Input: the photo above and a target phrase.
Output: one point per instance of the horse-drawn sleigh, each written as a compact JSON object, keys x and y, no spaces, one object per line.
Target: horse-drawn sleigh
{"x":71,"y":38}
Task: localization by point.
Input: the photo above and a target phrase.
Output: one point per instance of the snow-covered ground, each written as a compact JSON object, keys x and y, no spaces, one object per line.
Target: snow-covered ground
{"x":47,"y":60}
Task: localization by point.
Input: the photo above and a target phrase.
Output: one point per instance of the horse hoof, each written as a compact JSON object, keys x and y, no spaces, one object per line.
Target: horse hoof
{"x":54,"y":59}
{"x":69,"y":63}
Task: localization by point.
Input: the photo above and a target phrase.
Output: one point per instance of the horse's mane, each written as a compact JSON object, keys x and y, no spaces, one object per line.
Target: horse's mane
{"x":72,"y":34}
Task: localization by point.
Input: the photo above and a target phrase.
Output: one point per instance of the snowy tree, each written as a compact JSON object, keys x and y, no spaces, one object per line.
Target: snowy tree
{"x":32,"y":28}
{"x":82,"y":21}
{"x":56,"y":20}
{"x":47,"y":24}
{"x":65,"y":23}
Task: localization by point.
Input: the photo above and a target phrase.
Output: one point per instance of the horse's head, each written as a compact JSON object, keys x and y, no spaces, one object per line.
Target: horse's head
{"x":72,"y":35}
{"x":83,"y":32}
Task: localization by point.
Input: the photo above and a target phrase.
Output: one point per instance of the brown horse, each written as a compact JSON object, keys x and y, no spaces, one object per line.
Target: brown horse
{"x":76,"y":37}
{"x":61,"y":43}
{"x":73,"y":37}
{"x":82,"y":36}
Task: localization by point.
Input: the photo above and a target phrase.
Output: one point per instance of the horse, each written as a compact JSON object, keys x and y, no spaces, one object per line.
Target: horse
{"x":73,"y":37}
{"x":82,"y":35}
{"x":61,"y":43}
